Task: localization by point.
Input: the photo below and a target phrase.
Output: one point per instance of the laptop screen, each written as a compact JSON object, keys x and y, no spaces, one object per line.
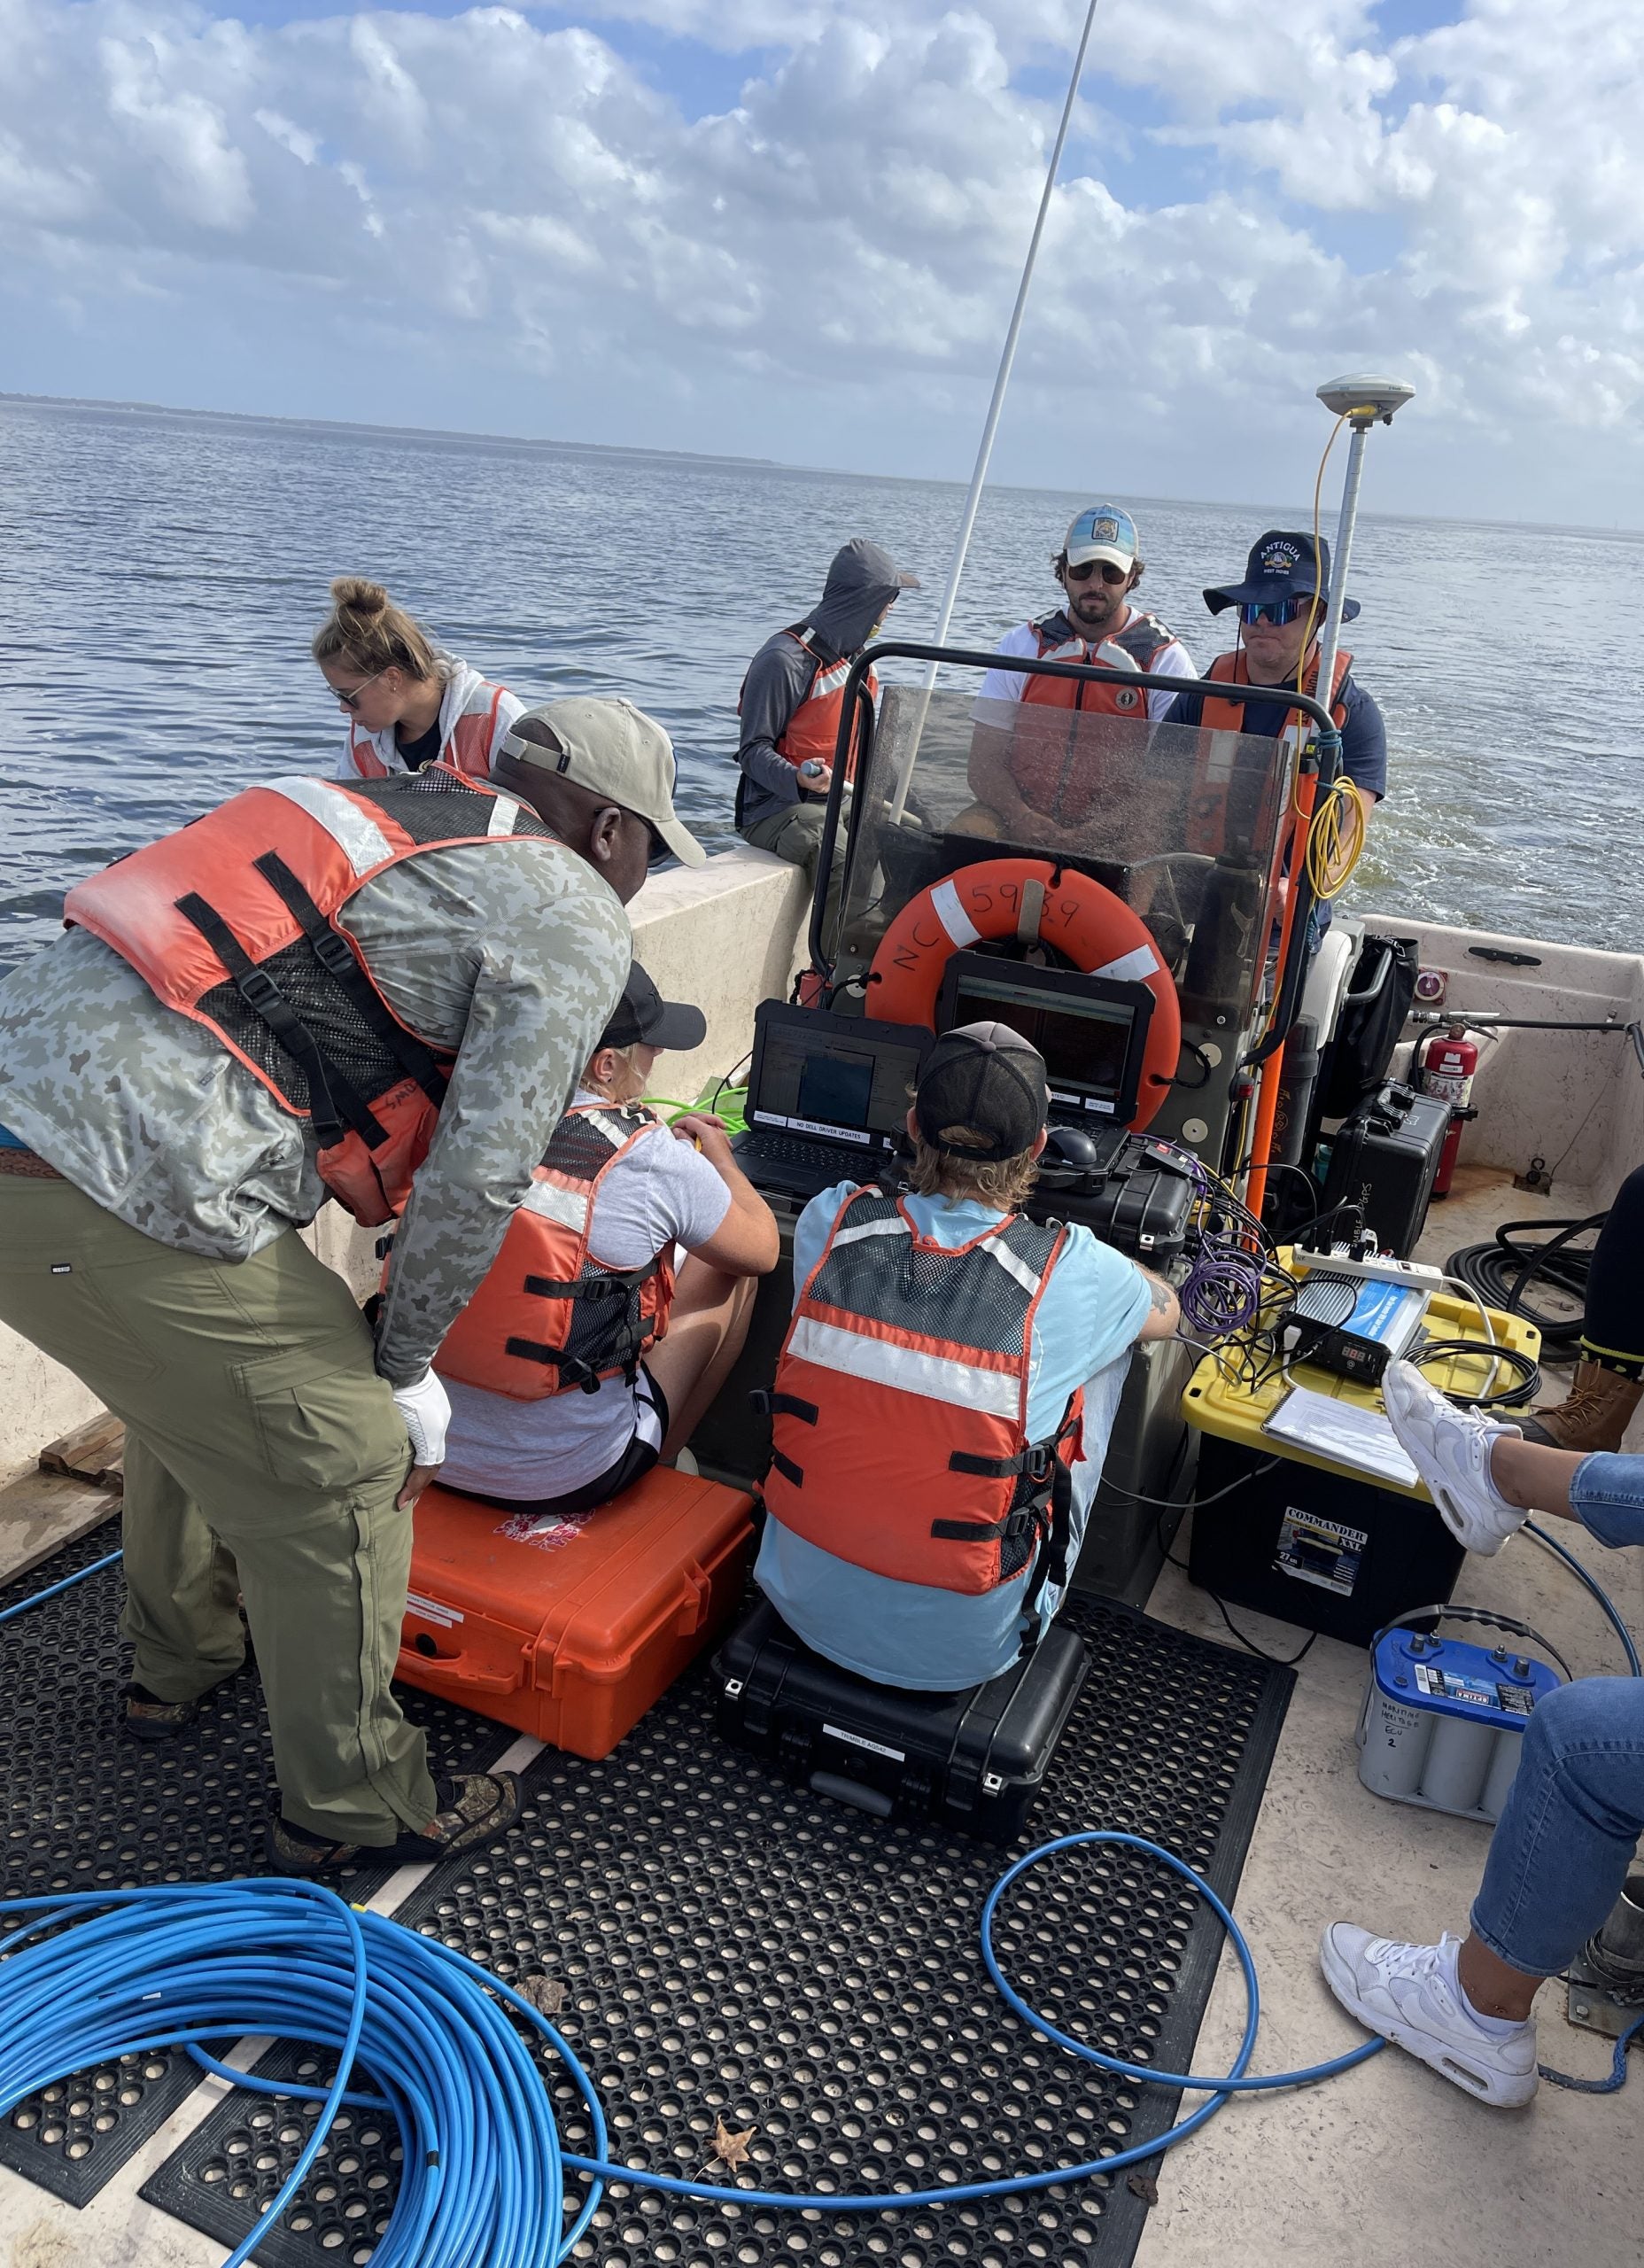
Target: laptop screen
{"x":1089,"y":1038}
{"x":819,"y":1076}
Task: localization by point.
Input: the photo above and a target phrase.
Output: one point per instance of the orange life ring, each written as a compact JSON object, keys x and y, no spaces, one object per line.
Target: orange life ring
{"x":1097,"y":931}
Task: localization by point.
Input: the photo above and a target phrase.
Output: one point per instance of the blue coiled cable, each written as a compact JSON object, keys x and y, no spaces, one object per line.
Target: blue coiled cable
{"x":482,"y":2185}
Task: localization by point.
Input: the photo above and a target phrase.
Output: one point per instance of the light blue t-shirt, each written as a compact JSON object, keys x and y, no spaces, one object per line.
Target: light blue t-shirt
{"x":911,"y":1633}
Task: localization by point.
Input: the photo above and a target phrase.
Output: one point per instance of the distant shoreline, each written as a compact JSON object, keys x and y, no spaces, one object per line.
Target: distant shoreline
{"x":1276,"y":514}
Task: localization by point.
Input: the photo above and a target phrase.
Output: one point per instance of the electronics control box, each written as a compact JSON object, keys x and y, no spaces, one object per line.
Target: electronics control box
{"x":1361,"y":1326}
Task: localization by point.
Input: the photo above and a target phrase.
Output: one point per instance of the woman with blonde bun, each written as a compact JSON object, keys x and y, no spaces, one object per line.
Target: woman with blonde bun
{"x":409,"y":704}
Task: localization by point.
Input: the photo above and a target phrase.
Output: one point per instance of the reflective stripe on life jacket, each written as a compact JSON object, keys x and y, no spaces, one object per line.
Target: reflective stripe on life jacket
{"x":475,"y":716}
{"x":900,"y":1407}
{"x":234,"y":922}
{"x":550,"y":1316}
{"x":1224,"y":713}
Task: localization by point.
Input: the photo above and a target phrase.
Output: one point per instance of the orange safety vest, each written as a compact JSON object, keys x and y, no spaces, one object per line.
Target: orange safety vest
{"x":234,"y":922}
{"x":1136,"y":647}
{"x":1058,"y":771}
{"x":550,"y":1316}
{"x":812,"y":731}
{"x":1222,"y":713}
{"x":900,"y":1405}
{"x":468,"y":746}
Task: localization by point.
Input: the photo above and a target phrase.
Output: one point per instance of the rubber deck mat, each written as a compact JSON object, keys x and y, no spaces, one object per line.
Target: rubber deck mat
{"x":733,"y":1948}
{"x":84,"y":1807}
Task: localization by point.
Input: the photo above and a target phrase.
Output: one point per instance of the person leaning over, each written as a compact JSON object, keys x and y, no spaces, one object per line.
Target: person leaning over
{"x":1016,"y":772}
{"x":791,"y":699}
{"x":408,"y":704}
{"x":1573,"y":1816}
{"x":559,"y":1404}
{"x":381,"y":993}
{"x":1282,"y":605}
{"x":944,"y":1396}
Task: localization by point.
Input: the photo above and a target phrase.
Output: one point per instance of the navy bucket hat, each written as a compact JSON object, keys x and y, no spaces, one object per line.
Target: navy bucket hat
{"x":1282,"y":564}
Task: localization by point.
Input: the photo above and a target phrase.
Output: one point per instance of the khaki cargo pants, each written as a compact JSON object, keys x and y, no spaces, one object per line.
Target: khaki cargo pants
{"x":263,"y":1457}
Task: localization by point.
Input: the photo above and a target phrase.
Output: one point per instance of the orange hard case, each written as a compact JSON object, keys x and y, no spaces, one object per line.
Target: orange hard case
{"x":570,"y":1630}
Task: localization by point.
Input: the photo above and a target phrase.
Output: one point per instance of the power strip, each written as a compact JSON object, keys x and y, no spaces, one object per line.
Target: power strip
{"x":1383,"y":1269}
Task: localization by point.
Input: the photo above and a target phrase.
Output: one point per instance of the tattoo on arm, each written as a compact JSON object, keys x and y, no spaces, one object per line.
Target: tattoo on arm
{"x":1160,"y":1294}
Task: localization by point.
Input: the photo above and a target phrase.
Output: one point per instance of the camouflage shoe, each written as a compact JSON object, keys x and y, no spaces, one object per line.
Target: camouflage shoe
{"x":473,"y":1808}
{"x":144,"y":1716}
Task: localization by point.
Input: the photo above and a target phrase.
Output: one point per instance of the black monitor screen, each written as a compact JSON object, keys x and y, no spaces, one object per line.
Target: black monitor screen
{"x":1085,"y":1044}
{"x":818,"y":1082}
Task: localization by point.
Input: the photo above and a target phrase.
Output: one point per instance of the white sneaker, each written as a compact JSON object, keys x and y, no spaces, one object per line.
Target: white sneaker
{"x":1450,"y":1449}
{"x":1410,"y":1994}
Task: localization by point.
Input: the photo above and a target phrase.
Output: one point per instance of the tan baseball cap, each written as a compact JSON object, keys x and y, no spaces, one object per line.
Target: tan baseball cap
{"x":615,"y":749}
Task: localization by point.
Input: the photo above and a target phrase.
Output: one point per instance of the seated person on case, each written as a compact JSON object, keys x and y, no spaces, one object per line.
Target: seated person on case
{"x":1574,"y":1813}
{"x":564,"y":1388}
{"x":944,"y":1396}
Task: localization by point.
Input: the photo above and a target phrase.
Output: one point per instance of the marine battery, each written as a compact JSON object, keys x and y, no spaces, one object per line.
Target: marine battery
{"x":1443,"y":1721}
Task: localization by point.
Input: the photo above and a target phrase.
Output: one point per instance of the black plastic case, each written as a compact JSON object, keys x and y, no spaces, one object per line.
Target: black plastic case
{"x":1333,"y":1555}
{"x":1385,"y":1160}
{"x":973,"y":1762}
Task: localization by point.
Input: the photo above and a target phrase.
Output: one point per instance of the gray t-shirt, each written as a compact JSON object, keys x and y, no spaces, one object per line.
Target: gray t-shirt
{"x":664,"y":1192}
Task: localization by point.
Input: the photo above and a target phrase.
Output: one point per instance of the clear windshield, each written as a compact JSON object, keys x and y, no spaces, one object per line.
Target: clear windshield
{"x":1182,"y":825}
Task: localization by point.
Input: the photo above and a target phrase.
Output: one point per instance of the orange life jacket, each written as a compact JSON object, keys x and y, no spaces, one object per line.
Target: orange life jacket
{"x":1225,"y":713}
{"x":900,"y":1406}
{"x":234,"y":922}
{"x":474,"y":718}
{"x":812,"y":731}
{"x":1056,"y":770}
{"x":1136,"y":646}
{"x":550,"y":1316}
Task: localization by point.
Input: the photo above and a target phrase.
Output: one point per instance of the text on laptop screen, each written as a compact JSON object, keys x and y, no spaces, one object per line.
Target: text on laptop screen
{"x":832,"y":1086}
{"x":1084,"y":1043}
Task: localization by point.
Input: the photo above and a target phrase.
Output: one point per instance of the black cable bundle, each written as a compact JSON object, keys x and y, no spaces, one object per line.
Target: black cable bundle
{"x":1502,"y":1273}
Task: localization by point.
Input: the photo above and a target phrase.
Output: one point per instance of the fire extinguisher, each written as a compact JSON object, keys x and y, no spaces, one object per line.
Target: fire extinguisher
{"x":1446,"y":1062}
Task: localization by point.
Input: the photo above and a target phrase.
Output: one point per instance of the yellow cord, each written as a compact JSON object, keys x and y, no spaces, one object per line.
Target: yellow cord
{"x":1335,"y":839}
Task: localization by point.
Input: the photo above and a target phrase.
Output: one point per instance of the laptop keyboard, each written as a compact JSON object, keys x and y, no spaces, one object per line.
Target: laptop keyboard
{"x":794,"y":1152}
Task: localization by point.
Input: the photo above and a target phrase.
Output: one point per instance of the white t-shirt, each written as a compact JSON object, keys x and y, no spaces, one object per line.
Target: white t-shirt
{"x":662,"y":1192}
{"x":1173,"y":660}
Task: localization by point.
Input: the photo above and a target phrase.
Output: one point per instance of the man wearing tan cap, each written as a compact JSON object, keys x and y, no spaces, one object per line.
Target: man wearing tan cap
{"x":381,"y":992}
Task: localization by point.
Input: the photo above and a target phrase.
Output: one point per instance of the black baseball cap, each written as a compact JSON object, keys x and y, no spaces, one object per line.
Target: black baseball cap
{"x":643,"y":1018}
{"x":988,"y":1079}
{"x":1282,"y":564}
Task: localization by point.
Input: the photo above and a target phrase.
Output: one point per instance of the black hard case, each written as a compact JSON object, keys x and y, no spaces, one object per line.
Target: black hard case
{"x":1398,"y":1553}
{"x":1385,"y":1160}
{"x":973,"y":1762}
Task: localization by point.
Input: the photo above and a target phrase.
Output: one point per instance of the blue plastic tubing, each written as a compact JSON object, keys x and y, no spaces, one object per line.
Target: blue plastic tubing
{"x":482,"y":2185}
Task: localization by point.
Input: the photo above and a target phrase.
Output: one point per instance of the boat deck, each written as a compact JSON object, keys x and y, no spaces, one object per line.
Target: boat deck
{"x":1369,"y":2169}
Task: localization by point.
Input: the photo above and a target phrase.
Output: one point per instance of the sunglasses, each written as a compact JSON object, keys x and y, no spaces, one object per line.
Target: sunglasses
{"x":1104,"y":568}
{"x":1278,"y":611}
{"x":351,"y":699}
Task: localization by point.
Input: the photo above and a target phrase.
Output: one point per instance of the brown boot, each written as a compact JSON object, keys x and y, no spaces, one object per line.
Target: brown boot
{"x":1594,"y":1417}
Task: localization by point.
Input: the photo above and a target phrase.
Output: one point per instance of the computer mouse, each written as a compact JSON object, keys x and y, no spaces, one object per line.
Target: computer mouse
{"x":1070,"y":1155}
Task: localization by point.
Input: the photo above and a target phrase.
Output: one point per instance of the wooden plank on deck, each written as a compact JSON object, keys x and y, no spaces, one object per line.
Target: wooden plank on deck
{"x":42,"y":1511}
{"x":94,"y":1451}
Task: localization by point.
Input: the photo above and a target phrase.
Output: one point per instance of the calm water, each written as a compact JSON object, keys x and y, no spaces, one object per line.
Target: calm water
{"x":162,"y":575}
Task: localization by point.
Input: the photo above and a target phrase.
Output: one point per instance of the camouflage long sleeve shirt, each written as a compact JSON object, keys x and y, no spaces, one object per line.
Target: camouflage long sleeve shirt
{"x":512,"y":956}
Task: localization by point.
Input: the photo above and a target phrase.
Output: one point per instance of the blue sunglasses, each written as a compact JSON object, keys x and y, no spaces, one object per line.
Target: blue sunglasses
{"x":1279,"y":612}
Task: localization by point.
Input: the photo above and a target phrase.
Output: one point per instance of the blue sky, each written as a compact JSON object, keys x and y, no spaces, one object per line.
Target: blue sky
{"x":795,"y":230}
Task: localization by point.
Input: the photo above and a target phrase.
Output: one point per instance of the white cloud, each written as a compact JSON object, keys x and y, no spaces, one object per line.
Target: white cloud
{"x":494,"y":198}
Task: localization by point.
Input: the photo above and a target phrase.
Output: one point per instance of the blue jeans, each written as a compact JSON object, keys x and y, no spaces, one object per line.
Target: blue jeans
{"x":1576,"y":1810}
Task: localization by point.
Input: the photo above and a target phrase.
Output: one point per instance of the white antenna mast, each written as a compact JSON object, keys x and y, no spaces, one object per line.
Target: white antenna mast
{"x":985,"y":450}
